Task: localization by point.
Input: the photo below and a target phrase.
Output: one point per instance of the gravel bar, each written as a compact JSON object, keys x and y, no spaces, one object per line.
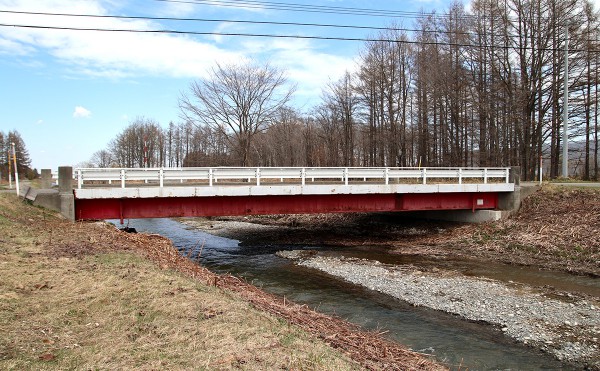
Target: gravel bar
{"x":566,"y":326}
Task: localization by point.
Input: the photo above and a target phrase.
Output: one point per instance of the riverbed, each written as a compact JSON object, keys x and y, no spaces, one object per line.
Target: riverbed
{"x":448,"y":338}
{"x":567,"y":327}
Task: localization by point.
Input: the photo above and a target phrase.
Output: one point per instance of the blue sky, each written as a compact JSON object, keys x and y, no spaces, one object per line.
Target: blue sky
{"x":70,"y":92}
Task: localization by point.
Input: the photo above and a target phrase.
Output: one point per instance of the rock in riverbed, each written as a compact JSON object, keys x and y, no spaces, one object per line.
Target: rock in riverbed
{"x":296,"y":254}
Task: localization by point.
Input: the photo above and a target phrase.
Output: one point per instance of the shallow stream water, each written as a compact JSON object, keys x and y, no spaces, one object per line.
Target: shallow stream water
{"x":454,"y":342}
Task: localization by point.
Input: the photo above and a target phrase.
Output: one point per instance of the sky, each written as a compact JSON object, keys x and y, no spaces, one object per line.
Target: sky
{"x":69,"y":92}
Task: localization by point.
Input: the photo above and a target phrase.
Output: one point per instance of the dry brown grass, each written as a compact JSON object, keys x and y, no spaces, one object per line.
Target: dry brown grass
{"x":63,"y":308}
{"x":556,"y":228}
{"x":86,"y":296}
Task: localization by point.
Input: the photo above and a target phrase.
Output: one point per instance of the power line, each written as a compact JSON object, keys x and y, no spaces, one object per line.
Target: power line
{"x":210,"y":33}
{"x":335,"y":38}
{"x":212,"y":20}
{"x":271,"y":5}
{"x":300,"y":24}
{"x":311,"y":8}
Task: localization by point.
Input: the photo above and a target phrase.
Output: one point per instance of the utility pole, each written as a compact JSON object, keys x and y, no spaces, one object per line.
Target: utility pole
{"x":145,"y":152}
{"x":16,"y":170}
{"x":9,"y":170}
{"x":565,"y":162}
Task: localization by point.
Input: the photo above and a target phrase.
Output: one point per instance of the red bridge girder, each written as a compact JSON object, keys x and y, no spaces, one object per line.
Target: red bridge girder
{"x":167,"y":207}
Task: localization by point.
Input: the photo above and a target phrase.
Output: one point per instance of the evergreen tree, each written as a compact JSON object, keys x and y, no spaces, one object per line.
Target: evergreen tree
{"x":23,"y":159}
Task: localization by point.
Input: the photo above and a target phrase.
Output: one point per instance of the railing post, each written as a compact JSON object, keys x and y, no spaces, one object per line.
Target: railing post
{"x":387,"y":175}
{"x":507,"y":171}
{"x":210,"y":177}
{"x":303,"y":176}
{"x":346,"y":176}
{"x":460,"y":175}
{"x":485,"y":175}
{"x":122,"y":178}
{"x":79,"y":179}
{"x":424,"y":174}
{"x":161,"y":177}
{"x":257,"y":176}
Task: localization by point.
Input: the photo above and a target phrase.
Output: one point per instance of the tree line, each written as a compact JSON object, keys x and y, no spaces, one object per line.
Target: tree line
{"x":22,"y":155}
{"x":476,"y":87}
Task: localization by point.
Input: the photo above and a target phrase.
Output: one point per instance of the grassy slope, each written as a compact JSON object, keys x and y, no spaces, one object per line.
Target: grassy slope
{"x":71,"y":298}
{"x":83,"y":295}
{"x":557,"y":228}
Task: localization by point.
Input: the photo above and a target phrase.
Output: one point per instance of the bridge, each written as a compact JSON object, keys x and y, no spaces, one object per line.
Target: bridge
{"x":112,"y":193}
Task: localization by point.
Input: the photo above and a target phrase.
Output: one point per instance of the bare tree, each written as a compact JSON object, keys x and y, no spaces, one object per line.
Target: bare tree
{"x":102,"y":158}
{"x":239,"y":100}
{"x":139,"y":145}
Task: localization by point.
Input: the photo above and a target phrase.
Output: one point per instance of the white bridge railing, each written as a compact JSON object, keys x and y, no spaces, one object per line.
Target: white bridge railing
{"x":300,"y":175}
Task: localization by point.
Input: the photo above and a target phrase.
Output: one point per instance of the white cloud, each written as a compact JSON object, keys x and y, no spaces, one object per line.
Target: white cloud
{"x":81,"y":112}
{"x":176,"y":9}
{"x":105,"y":54}
{"x":120,"y":55}
{"x":223,"y":28}
{"x":186,"y":9}
{"x":39,"y":122}
{"x":14,"y":48}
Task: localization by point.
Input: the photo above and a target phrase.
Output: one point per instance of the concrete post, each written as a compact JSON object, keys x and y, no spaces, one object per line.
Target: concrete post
{"x":65,"y":179}
{"x":511,"y":201}
{"x":515,"y":175}
{"x":65,"y":189}
{"x":46,"y":179}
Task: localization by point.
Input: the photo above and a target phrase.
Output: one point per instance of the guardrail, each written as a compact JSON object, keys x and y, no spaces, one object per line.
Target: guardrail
{"x":210,"y":176}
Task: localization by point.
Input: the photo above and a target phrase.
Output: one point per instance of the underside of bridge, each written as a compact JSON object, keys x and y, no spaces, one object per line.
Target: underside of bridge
{"x":165,"y":207}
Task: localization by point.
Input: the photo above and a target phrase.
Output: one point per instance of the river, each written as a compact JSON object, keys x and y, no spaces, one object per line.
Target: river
{"x":454,"y":342}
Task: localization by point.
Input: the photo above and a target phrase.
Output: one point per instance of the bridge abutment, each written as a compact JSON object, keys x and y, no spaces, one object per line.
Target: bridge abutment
{"x":508,"y":204}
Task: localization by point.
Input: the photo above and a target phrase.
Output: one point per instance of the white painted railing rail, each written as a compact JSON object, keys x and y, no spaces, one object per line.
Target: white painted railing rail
{"x":344,"y":175}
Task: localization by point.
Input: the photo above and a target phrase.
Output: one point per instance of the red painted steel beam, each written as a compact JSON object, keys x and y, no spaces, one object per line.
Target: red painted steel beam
{"x":132,"y":208}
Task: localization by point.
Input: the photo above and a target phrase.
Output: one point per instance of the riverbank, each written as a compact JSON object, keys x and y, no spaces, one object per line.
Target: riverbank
{"x":84,"y":295}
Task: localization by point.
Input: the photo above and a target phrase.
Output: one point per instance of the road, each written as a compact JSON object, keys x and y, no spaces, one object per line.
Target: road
{"x":585,"y":184}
